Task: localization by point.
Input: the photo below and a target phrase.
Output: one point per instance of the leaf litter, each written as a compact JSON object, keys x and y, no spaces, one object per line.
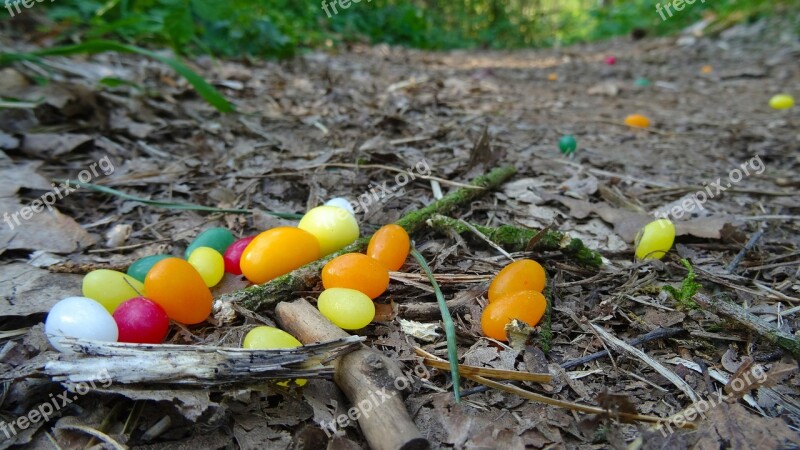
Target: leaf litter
{"x":327,"y":125}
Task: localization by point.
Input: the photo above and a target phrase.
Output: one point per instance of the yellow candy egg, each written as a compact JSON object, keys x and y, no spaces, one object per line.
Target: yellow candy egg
{"x":270,"y":338}
{"x":348,"y":309}
{"x":655,"y":239}
{"x":111,"y":288}
{"x":781,"y":101}
{"x":334,"y":227}
{"x":209,"y":264}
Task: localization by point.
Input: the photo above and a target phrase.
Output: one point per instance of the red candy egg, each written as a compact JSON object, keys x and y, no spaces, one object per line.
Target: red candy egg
{"x":141,"y":321}
{"x":233,"y":255}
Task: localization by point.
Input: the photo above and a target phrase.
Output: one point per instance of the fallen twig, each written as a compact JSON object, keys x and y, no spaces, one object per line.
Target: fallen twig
{"x":621,"y":346}
{"x":756,"y":324}
{"x":191,"y":365}
{"x":659,"y":333}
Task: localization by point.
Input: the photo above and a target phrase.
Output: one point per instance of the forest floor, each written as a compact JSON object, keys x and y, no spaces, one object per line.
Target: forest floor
{"x":327,"y":125}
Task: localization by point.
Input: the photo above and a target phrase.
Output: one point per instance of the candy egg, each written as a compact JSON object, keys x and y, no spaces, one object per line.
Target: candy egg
{"x":141,"y":321}
{"x":637,"y":120}
{"x":642,"y":82}
{"x":655,"y":239}
{"x":341,"y":202}
{"x":277,"y":252}
{"x":526,"y":306}
{"x":110,"y":288}
{"x":79,"y":317}
{"x":217,"y":238}
{"x":140,"y":267}
{"x":348,"y":309}
{"x":209,"y":264}
{"x":522,"y":275}
{"x":567,"y":144}
{"x":552,"y":77}
{"x":707,"y":70}
{"x":611,"y":60}
{"x":781,"y":101}
{"x":356,"y":271}
{"x":390,"y":246}
{"x":334,"y":227}
{"x":233,"y":255}
{"x":266,"y":338}
{"x":177,"y":287}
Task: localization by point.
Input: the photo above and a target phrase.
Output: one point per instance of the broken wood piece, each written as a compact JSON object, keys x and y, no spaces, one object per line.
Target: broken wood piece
{"x":368,"y":378}
{"x":752,"y":322}
{"x":191,"y":365}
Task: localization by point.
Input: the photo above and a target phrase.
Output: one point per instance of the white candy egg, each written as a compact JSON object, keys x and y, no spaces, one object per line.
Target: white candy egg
{"x":80,"y":317}
{"x":341,"y":202}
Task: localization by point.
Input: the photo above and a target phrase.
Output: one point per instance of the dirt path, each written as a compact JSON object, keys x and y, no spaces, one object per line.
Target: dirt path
{"x":301,"y":120}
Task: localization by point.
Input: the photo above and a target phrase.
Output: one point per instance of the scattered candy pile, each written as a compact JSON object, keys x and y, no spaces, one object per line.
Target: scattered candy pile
{"x":137,"y":306}
{"x":514,"y":293}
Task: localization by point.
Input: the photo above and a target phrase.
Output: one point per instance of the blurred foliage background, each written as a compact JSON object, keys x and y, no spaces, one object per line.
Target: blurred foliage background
{"x":279,"y":28}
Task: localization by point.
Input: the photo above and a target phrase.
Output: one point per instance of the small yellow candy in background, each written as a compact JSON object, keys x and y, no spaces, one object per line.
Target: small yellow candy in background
{"x":209,"y":264}
{"x":334,"y":227}
{"x":348,"y":309}
{"x":111,"y":288}
{"x":707,"y":70}
{"x":781,"y":101}
{"x":270,"y":338}
{"x":553,"y":77}
{"x":655,"y":239}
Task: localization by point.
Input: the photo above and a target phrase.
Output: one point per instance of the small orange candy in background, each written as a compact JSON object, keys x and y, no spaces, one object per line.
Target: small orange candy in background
{"x":390,"y":246}
{"x":527,"y":306}
{"x":522,"y":275}
{"x":356,"y":271}
{"x":177,"y":287}
{"x":277,"y":252}
{"x":637,"y":121}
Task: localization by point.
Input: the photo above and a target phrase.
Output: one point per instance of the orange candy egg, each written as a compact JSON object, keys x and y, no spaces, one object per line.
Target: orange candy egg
{"x":522,"y":275}
{"x":277,"y":252}
{"x":177,"y":287}
{"x":390,"y":246}
{"x":356,"y":271}
{"x":527,"y":306}
{"x":637,"y":121}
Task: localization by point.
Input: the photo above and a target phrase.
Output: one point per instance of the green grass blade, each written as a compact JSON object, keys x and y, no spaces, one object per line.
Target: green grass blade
{"x":176,"y":205}
{"x":449,"y":327}
{"x":207,"y":91}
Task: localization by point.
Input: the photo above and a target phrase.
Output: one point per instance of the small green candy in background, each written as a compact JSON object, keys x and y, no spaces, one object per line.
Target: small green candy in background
{"x":642,"y":82}
{"x":567,"y":144}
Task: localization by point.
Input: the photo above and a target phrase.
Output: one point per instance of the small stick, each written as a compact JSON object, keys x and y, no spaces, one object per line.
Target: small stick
{"x":367,"y":377}
{"x":621,"y":346}
{"x":749,"y":246}
{"x":659,"y":333}
{"x":754,"y":323}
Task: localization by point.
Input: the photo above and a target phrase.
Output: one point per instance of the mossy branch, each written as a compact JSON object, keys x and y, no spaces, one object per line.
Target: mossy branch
{"x":264,"y":296}
{"x":516,"y":239}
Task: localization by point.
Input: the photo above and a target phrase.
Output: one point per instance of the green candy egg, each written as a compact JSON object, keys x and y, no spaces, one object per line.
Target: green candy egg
{"x":217,"y":238}
{"x":348,"y":309}
{"x":567,"y":144}
{"x":140,"y":267}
